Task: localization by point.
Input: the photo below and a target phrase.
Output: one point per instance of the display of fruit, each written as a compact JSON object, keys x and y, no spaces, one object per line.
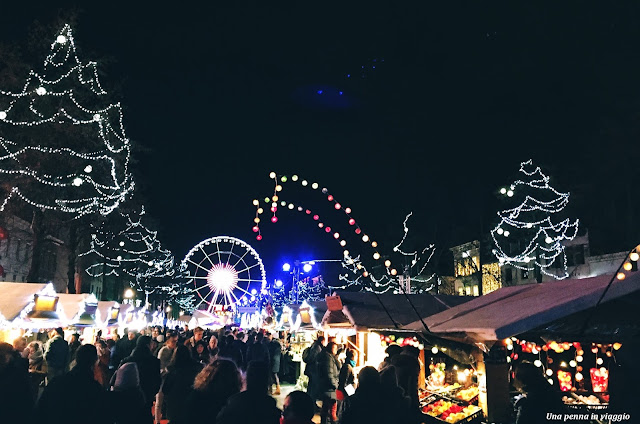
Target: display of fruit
{"x":599,"y":379}
{"x":468,"y":394}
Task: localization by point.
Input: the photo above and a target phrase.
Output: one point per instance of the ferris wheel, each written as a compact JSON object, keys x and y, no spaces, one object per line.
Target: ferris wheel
{"x":223,"y":271}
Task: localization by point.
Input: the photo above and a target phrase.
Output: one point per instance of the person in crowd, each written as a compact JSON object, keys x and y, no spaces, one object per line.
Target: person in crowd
{"x":56,"y":353}
{"x":213,"y":346}
{"x":231,"y":351}
{"x":15,"y":388}
{"x":126,"y":400}
{"x":242,"y":346}
{"x":366,"y":405}
{"x":166,"y":352}
{"x":198,"y":334}
{"x":275,"y":354}
{"x":328,"y":375}
{"x":111,"y":345}
{"x":78,"y":386}
{"x":253,"y":405}
{"x":202,"y":353}
{"x":298,"y":408}
{"x":177,"y":385}
{"x":310,"y":358}
{"x":408,"y":371}
{"x":258,"y":351}
{"x":159,"y":344}
{"x":400,"y":408}
{"x":213,"y":386}
{"x":102,"y":373}
{"x":20,"y":352}
{"x":391,"y":351}
{"x":148,"y":369}
{"x":124,"y":347}
{"x":37,"y":367}
{"x":346,"y":379}
{"x":540,"y":398}
{"x":74,"y":344}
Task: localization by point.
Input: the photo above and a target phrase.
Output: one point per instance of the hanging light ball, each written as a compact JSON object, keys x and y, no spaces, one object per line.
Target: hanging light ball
{"x":374,"y":244}
{"x":316,"y":217}
{"x":352,"y":221}
{"x":291,"y":206}
{"x":345,"y":253}
{"x":327,"y":229}
{"x":320,"y":224}
{"x":499,"y":231}
{"x":77,"y":181}
{"x":274,"y":219}
{"x":579,"y":376}
{"x":267,"y":200}
{"x":256,"y":220}
{"x":255,"y":202}
{"x":41,"y":91}
{"x":510,"y":193}
{"x":88,"y":169}
{"x":343,"y":243}
{"x":548,"y":240}
{"x":336,"y":235}
{"x":3,"y":115}
{"x":394,"y":271}
{"x":347,"y":210}
{"x":283,"y":179}
{"x":330,"y":198}
{"x":621,"y":276}
{"x":365,"y":238}
{"x":61,"y":39}
{"x":358,"y":230}
{"x":376,"y":256}
{"x":503,"y":190}
{"x":537,"y":363}
{"x":387,"y":263}
{"x":256,"y":229}
{"x":304,"y":183}
{"x":634,"y":256}
{"x":272,"y":175}
{"x":278,"y":187}
{"x":294,"y":178}
{"x":121,"y":244}
{"x":260,"y":211}
{"x":314,"y":186}
{"x":258,"y":237}
{"x":627,"y":266}
{"x":337,"y":206}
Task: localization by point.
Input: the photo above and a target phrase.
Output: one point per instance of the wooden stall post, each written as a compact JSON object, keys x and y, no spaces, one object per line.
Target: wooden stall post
{"x":493,"y":384}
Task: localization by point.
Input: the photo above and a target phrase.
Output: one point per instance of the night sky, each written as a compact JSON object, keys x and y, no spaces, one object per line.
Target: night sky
{"x":440,"y":103}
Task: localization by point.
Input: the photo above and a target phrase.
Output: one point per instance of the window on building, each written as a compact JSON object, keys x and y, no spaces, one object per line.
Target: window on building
{"x":575,"y":255}
{"x":475,"y":291}
{"x":14,"y":277}
{"x":461,"y":291}
{"x":467,"y":291}
{"x":525,"y":274}
{"x":508,"y":276}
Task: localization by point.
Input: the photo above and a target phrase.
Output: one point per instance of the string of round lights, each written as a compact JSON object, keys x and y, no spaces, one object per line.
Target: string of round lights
{"x":90,"y":175}
{"x":390,"y":275}
{"x":132,"y":251}
{"x":531,"y":222}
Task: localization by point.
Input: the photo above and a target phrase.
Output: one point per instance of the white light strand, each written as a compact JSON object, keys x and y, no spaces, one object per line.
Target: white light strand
{"x":545,"y":239}
{"x":47,"y":101}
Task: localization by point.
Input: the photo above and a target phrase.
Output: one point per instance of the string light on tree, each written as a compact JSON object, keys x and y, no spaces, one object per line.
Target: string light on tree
{"x":49,"y":174}
{"x":543,"y":250}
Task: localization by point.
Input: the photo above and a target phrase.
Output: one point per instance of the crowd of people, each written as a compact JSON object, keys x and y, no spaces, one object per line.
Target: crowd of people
{"x":223,"y":377}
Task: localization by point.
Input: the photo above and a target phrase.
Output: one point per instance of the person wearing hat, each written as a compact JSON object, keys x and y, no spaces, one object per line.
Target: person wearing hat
{"x":148,"y":369}
{"x":126,"y":399}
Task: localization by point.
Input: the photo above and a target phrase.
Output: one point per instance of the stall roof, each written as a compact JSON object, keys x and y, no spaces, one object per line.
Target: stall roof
{"x":104,"y":309}
{"x":71,"y":304}
{"x":510,"y":311}
{"x":14,"y":297}
{"x":363,"y":309}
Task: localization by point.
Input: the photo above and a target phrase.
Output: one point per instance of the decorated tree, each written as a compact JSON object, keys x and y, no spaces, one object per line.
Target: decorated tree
{"x":377,"y":275}
{"x":63,"y":148}
{"x":132,"y":252}
{"x":531,"y":235}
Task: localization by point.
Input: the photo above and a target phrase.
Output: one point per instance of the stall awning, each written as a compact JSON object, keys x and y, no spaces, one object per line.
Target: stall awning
{"x":14,"y":297}
{"x":72,"y":304}
{"x":510,"y":311}
{"x":108,"y":312}
{"x":363,"y":310}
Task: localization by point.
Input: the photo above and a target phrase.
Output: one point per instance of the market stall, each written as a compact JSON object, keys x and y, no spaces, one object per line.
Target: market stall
{"x":18,"y":300}
{"x":555,"y":325}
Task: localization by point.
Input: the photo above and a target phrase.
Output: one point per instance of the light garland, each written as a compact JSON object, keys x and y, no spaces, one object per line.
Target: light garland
{"x":533,"y":218}
{"x":133,"y":251}
{"x":389,"y":280}
{"x":56,"y":178}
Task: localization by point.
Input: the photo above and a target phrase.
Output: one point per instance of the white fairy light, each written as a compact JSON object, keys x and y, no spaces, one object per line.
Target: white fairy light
{"x":544,"y":237}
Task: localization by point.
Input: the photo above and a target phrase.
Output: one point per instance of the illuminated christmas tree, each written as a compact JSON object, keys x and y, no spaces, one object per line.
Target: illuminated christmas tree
{"x":530,"y":235}
{"x":62,"y":144}
{"x":63,"y":148}
{"x":133,"y":253}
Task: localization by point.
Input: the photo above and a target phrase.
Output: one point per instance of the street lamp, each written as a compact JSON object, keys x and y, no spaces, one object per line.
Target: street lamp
{"x":128,"y":294}
{"x":286,"y":267}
